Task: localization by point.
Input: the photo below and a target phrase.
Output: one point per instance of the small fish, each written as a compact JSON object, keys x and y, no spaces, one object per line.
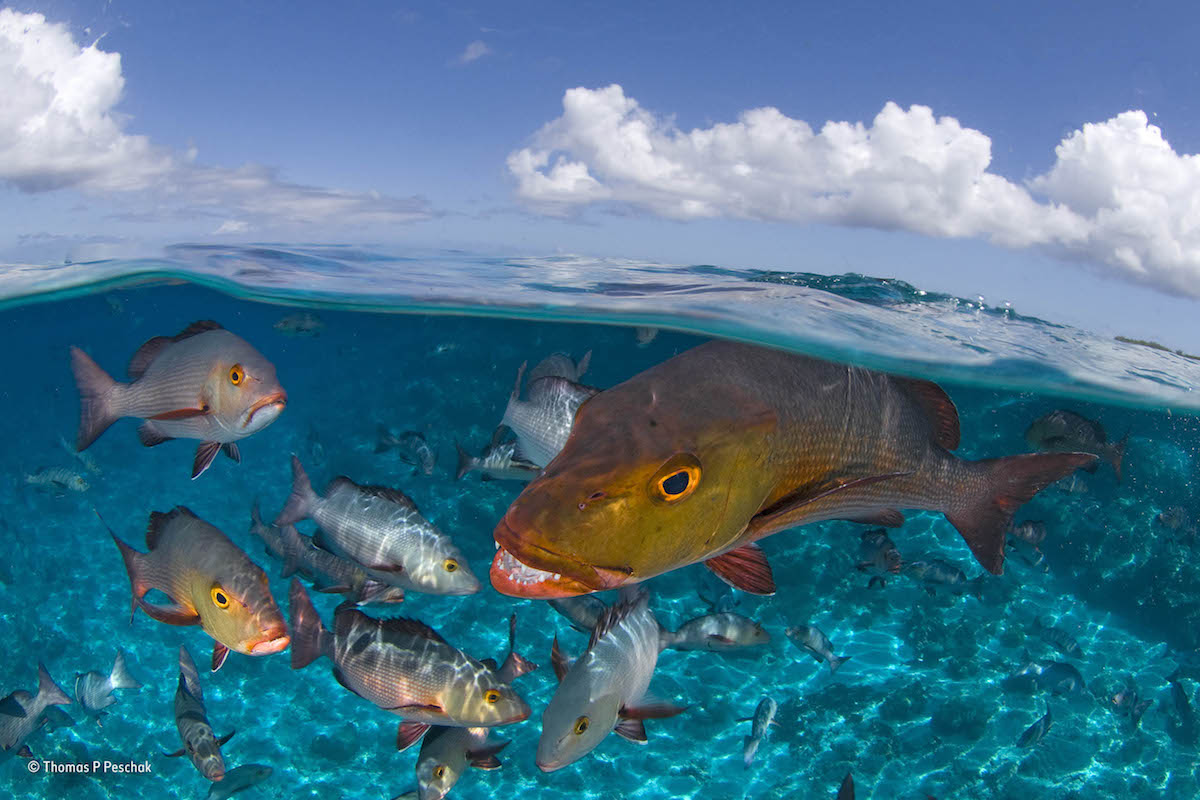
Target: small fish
{"x":405,"y":667}
{"x":764,"y":717}
{"x":817,"y":645}
{"x":583,"y":611}
{"x":328,"y":572}
{"x":301,"y":323}
{"x":200,"y":743}
{"x":382,"y":530}
{"x":210,"y":582}
{"x":937,"y":575}
{"x":1034,"y":733}
{"x":14,"y":727}
{"x":498,"y":461}
{"x":645,"y":335}
{"x":1059,"y":639}
{"x":879,"y":556}
{"x":719,"y":632}
{"x":446,"y":753}
{"x":1126,"y":703}
{"x":605,"y":688}
{"x":239,"y":779}
{"x":1063,"y":431}
{"x":560,"y":365}
{"x":1057,"y":677}
{"x":85,"y":459}
{"x":543,"y":422}
{"x":204,"y":383}
{"x":58,"y":479}
{"x":94,"y":690}
{"x":410,"y":446}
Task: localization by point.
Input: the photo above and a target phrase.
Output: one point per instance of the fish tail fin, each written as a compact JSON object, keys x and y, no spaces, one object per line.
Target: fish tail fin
{"x":749,"y":748}
{"x":49,"y":690}
{"x":120,"y":677}
{"x":465,"y":462}
{"x":836,"y":662}
{"x":1116,"y":453}
{"x":299,"y":503}
{"x":310,"y":638}
{"x":96,"y":388}
{"x":993,"y":492}
{"x":135,"y":564}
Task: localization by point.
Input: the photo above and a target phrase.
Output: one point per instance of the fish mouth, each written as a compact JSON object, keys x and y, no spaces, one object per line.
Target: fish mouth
{"x":273,"y":400}
{"x":534,"y":574}
{"x":266,"y":647}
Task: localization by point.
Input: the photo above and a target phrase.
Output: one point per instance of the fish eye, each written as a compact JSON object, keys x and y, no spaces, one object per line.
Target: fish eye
{"x":450,"y":565}
{"x":237,"y":375}
{"x":439,"y":771}
{"x":219,"y":598}
{"x":581,"y":725}
{"x":491,"y":696}
{"x":676,"y":479}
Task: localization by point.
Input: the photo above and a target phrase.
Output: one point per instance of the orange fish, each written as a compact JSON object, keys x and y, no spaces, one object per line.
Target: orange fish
{"x":211,"y":583}
{"x":701,"y":456}
{"x":204,"y":383}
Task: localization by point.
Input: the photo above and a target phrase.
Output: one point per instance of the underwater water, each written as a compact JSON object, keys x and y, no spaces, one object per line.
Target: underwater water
{"x":924,"y":707}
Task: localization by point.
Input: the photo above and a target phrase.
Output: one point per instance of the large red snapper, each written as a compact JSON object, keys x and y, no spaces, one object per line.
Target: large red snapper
{"x":204,"y":383}
{"x":697,"y":458}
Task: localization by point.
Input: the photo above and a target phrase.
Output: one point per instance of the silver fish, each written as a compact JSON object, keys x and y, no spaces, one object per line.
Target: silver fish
{"x":405,"y":667}
{"x":584,"y":610}
{"x":382,"y":530}
{"x":560,"y":365}
{"x":878,"y":555}
{"x":816,"y":644}
{"x":719,"y":632}
{"x":200,"y":744}
{"x":328,"y":572}
{"x":1034,"y":733}
{"x":936,"y":575}
{"x":85,"y":459}
{"x":1065,"y":431}
{"x":94,"y":690}
{"x":410,"y":446}
{"x":239,"y":779}
{"x":446,"y":753}
{"x":764,"y":717}
{"x":204,"y":383}
{"x":58,"y":479}
{"x":602,"y":690}
{"x":14,"y":727}
{"x":497,"y":462}
{"x":543,"y":422}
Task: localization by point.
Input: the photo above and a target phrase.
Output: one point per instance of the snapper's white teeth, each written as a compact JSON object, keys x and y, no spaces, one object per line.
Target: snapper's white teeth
{"x":522,"y":573}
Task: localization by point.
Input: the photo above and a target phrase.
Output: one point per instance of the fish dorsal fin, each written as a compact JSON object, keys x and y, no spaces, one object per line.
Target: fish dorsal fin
{"x":551,"y":385}
{"x":412,"y":627}
{"x":159,"y":520}
{"x":196,"y":328}
{"x":145,"y":356}
{"x":787,"y":510}
{"x":409,"y":733}
{"x":938,"y":407}
{"x":491,"y":664}
{"x":558,"y":660}
{"x":391,"y":495}
{"x":612,"y":616}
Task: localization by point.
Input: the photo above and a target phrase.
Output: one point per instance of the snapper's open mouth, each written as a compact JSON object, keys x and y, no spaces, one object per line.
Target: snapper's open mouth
{"x":268,"y":646}
{"x":516,"y":579}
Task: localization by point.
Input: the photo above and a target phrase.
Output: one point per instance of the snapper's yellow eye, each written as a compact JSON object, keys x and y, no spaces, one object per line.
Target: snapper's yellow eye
{"x":581,"y":725}
{"x":237,"y":374}
{"x":439,"y":772}
{"x":450,"y":565}
{"x":491,"y":696}
{"x":219,"y":598}
{"x":676,"y":479}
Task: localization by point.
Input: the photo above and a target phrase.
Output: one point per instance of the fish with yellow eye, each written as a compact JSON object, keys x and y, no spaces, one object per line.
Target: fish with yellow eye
{"x":382,"y":530}
{"x":210,"y":583}
{"x":204,"y":383}
{"x":405,"y":667}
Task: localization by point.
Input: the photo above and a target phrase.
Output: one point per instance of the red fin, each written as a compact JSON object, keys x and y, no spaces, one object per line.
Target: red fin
{"x":95,"y":386}
{"x":205,"y":454}
{"x":220,"y":653}
{"x":145,"y":355}
{"x":984,"y":517}
{"x":310,"y":639}
{"x":1116,"y":452}
{"x":651,"y":711}
{"x":788,"y":511}
{"x":181,"y":413}
{"x":409,"y":734}
{"x":716,"y":637}
{"x":887,"y":518}
{"x":745,"y":568}
{"x":558,"y":660}
{"x":938,"y":407}
{"x":632,"y":729}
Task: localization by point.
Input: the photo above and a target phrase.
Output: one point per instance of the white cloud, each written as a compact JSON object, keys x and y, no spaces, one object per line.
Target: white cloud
{"x":1118,"y":195}
{"x":475,"y":51}
{"x":59,"y":129}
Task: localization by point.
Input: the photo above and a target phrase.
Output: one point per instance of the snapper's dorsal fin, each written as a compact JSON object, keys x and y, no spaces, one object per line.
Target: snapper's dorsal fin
{"x":391,"y":495}
{"x":410,"y":626}
{"x":196,"y":328}
{"x":938,"y":407}
{"x":145,"y":355}
{"x":613,"y":615}
{"x":159,"y":520}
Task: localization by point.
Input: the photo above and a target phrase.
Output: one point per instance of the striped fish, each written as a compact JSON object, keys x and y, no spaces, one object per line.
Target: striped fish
{"x":200,"y":743}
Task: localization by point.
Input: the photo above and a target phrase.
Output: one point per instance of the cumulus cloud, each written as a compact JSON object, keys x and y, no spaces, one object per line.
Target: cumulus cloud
{"x":475,"y":51}
{"x":1118,"y":195}
{"x":59,"y":129}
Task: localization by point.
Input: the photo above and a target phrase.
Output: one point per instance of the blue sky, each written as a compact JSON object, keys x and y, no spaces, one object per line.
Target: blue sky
{"x":629,"y":129}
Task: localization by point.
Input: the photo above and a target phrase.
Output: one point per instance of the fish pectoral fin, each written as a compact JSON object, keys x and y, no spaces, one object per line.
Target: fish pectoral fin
{"x":183,"y":413}
{"x":485,"y":757}
{"x":716,"y":637}
{"x":230,"y":449}
{"x":789,"y":510}
{"x":221,"y":742}
{"x":176,"y":754}
{"x":632,"y":729}
{"x":745,"y":568}
{"x":220,"y":653}
{"x":205,"y":454}
{"x":173,"y":614}
{"x":395,"y":569}
{"x":409,"y":734}
{"x":888,"y":518}
{"x":651,"y":711}
{"x":436,"y":709}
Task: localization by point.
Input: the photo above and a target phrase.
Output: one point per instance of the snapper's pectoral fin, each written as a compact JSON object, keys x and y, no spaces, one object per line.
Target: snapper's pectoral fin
{"x":409,"y":734}
{"x":745,"y":568}
{"x":220,"y":653}
{"x":182,"y":413}
{"x":221,"y":742}
{"x":176,"y":754}
{"x":888,"y":518}
{"x":205,"y":454}
{"x":393,"y":568}
{"x":632,"y":729}
{"x":173,"y":614}
{"x":790,"y":509}
{"x":651,"y":711}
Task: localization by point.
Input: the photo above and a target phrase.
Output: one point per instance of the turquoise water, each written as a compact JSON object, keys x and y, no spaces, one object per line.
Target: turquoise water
{"x":922,"y":708}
